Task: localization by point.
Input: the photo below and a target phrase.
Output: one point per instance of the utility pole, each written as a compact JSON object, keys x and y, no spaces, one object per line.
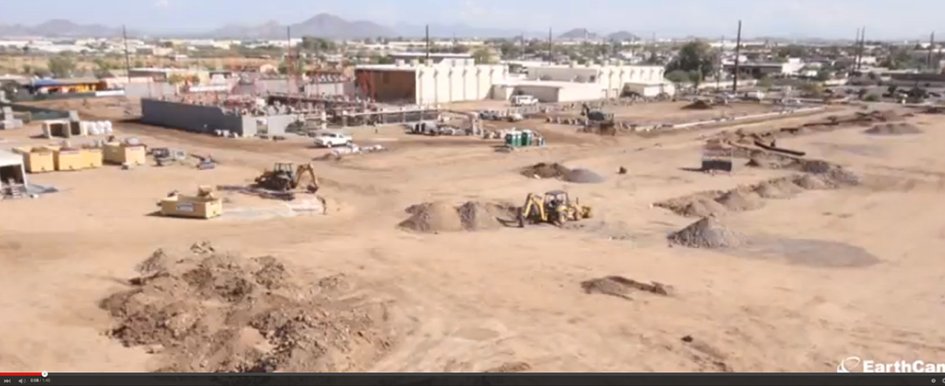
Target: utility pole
{"x":862,"y":50}
{"x":521,"y":54}
{"x":931,"y":48}
{"x":288,"y":61}
{"x":551,"y":47}
{"x":428,"y":41}
{"x":738,"y":47}
{"x":856,"y":51}
{"x":718,"y":75}
{"x":124,"y":37}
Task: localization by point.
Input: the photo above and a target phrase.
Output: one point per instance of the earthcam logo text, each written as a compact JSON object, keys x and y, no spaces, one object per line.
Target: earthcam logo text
{"x":855,"y":364}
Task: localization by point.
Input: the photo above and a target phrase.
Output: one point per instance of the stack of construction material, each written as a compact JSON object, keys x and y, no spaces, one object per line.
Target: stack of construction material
{"x":7,"y":121}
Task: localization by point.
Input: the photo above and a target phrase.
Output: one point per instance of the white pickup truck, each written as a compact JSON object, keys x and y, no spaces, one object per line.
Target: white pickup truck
{"x":332,"y":139}
{"x":524,"y":100}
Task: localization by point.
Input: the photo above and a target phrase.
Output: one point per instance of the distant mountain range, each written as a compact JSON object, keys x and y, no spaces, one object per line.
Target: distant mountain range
{"x":60,"y":28}
{"x":322,"y":25}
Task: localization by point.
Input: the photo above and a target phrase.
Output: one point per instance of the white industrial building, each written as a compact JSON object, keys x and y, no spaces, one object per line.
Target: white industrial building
{"x":430,"y":83}
{"x":557,"y":83}
{"x":460,"y":79}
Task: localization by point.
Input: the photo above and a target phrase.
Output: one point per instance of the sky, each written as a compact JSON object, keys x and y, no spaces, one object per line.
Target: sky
{"x":884,"y":19}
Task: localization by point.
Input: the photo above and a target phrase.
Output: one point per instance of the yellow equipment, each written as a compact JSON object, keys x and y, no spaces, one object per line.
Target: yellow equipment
{"x":554,"y":207}
{"x":286,"y":177}
{"x":204,"y":205}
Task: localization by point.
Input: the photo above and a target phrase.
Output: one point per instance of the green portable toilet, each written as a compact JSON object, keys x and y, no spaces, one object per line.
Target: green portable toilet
{"x":527,"y":138}
{"x":511,"y":139}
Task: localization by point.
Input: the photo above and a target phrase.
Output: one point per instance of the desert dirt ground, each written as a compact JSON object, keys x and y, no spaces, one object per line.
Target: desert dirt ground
{"x":473,"y":301}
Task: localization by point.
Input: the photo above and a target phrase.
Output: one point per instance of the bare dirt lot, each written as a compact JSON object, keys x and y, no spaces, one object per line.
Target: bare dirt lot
{"x":610,"y":293}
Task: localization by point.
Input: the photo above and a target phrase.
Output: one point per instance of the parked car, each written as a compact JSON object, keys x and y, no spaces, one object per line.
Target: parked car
{"x":332,"y":139}
{"x":524,"y":100}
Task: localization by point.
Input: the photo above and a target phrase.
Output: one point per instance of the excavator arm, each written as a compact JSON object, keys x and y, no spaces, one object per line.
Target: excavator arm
{"x":300,"y":173}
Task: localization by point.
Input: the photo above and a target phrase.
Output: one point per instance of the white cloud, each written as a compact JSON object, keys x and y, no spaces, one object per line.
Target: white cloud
{"x":162,"y":4}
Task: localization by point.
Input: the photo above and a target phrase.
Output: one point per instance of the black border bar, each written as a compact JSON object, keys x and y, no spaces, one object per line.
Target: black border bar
{"x":481,"y":379}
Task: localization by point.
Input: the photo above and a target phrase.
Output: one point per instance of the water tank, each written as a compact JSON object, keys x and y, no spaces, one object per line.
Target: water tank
{"x":414,"y":62}
{"x":399,"y":62}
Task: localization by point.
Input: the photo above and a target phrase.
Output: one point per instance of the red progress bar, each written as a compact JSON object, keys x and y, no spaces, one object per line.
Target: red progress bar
{"x":21,"y":374}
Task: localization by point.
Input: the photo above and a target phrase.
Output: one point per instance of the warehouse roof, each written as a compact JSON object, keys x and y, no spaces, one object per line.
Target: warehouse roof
{"x":9,"y":158}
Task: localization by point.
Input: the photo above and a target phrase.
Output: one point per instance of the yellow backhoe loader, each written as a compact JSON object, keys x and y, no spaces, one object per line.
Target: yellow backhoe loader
{"x":285,"y":177}
{"x":555,"y":207}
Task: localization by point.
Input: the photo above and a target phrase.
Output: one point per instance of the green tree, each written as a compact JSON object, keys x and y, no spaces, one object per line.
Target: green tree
{"x":696,"y":55}
{"x":102,"y":68}
{"x":765,"y":83}
{"x":483,"y":55}
{"x":696,"y":77}
{"x":678,"y":77}
{"x":791,"y":51}
{"x":812,"y":89}
{"x":61,"y":66}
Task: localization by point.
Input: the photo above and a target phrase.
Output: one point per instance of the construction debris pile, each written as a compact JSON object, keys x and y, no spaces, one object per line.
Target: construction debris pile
{"x":544,"y":170}
{"x":208,"y":311}
{"x":436,"y":217}
{"x":894,"y":129}
{"x":622,"y":287}
{"x":709,"y":233}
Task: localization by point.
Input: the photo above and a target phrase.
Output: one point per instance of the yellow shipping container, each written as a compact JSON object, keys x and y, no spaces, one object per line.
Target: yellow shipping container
{"x":93,"y":157}
{"x":192,"y":206}
{"x":121,"y":154}
{"x":69,"y":159}
{"x":37,"y":160}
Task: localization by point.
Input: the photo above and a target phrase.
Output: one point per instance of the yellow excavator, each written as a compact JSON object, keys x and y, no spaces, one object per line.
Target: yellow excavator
{"x":285,"y":177}
{"x":555,"y":207}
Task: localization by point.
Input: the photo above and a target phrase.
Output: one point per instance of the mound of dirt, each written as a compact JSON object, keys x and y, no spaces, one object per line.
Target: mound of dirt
{"x":435,"y":217}
{"x":583,"y":176}
{"x":215,"y":312}
{"x":621,"y":287}
{"x":832,"y":175}
{"x":812,"y":182}
{"x":546,"y":170}
{"x":894,"y":129}
{"x":777,"y":189}
{"x":703,"y":207}
{"x":476,"y":216}
{"x":698,"y":105}
{"x":738,"y":200}
{"x":707,"y":233}
{"x":432,"y":217}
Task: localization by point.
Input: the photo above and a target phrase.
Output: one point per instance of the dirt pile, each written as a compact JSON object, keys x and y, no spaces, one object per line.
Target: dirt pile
{"x":621,"y":287}
{"x":432,"y":217}
{"x":834,"y":176}
{"x":583,"y":176}
{"x":485,"y":215}
{"x":707,"y":233}
{"x":435,"y":217}
{"x":777,"y":189}
{"x":740,"y":200}
{"x":812,"y":182}
{"x":703,"y":207}
{"x":699,"y":104}
{"x":546,"y":170}
{"x":206,"y":311}
{"x":894,"y":129}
